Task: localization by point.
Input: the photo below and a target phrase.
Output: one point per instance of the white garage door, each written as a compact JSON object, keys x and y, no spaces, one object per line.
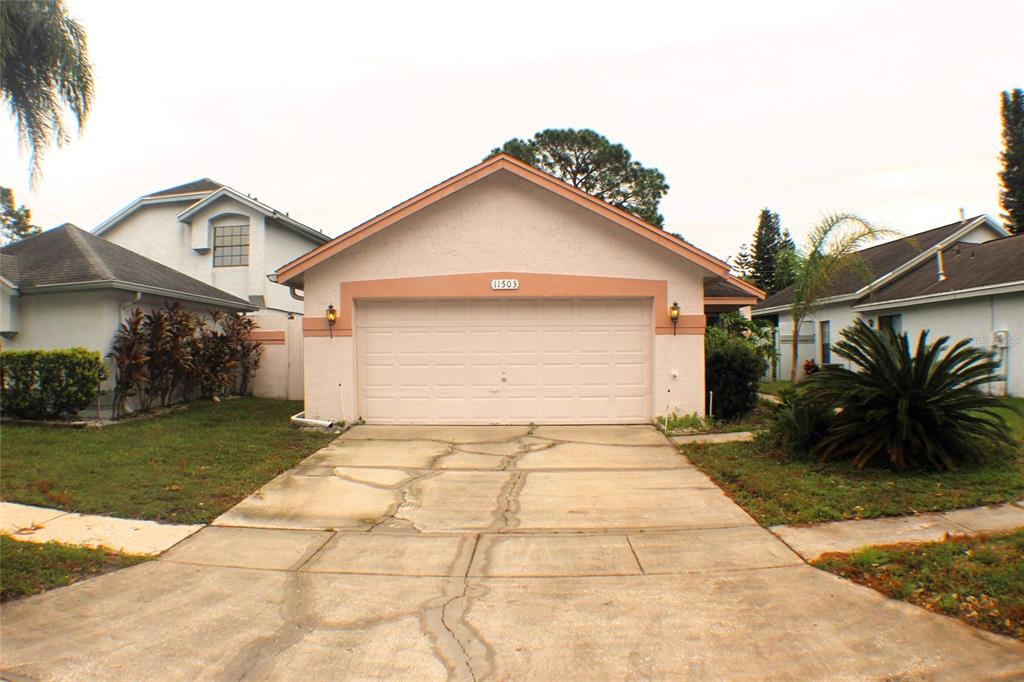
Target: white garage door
{"x":460,"y":361}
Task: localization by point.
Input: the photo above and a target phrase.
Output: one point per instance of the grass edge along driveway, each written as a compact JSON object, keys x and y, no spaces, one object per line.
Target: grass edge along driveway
{"x":188,"y":466}
{"x":30,"y":568}
{"x":979,"y":580}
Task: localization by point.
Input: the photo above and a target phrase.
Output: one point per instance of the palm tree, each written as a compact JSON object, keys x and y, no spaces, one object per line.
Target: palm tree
{"x":831,"y":254}
{"x":44,"y":67}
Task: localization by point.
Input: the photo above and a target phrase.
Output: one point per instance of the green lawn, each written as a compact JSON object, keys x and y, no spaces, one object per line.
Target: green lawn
{"x":29,"y":568}
{"x":979,"y":580}
{"x":773,"y":387}
{"x":1016,"y":419}
{"x":184,"y":467}
{"x":800,"y":491}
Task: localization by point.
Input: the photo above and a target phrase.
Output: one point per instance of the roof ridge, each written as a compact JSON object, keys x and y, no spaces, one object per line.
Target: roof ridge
{"x":78,"y":235}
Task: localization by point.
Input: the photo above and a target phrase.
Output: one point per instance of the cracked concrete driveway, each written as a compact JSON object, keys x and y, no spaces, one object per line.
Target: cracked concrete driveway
{"x":487,"y":553}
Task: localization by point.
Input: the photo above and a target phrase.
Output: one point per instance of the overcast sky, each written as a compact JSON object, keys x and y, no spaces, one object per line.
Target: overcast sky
{"x":337,"y":111}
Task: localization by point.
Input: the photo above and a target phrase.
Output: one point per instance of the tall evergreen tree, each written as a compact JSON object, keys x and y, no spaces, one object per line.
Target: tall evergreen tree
{"x":1012,"y":196}
{"x":767,"y":239}
{"x":744,"y":263}
{"x":15,"y":222}
{"x":787,"y":263}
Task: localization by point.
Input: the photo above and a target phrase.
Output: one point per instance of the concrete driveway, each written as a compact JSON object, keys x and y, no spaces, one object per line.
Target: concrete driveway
{"x":507,"y":553}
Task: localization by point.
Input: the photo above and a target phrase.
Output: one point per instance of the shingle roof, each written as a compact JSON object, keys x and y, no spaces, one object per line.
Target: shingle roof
{"x":68,"y":255}
{"x":200,"y":185}
{"x":967,"y":266}
{"x":879,"y":260}
{"x":9,"y":267}
{"x":724,"y":290}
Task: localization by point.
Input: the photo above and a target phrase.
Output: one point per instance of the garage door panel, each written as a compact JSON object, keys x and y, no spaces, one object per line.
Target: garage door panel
{"x":562,"y":361}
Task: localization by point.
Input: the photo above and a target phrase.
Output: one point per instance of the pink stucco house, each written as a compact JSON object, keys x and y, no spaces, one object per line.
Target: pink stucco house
{"x":504,"y":295}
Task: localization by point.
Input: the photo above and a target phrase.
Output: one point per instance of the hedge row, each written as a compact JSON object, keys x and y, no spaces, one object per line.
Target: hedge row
{"x":46,"y":384}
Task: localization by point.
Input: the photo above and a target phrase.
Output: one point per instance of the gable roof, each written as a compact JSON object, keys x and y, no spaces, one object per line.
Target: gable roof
{"x":194,"y":187}
{"x":503,"y":163}
{"x":885,"y":260}
{"x":283,"y":218}
{"x":966,"y":267}
{"x":201,"y":193}
{"x":69,"y":258}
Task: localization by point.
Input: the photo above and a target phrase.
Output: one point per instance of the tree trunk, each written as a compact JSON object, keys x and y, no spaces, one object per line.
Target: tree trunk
{"x":795,"y":351}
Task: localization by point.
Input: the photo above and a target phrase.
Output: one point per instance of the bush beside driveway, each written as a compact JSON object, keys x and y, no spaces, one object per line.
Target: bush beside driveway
{"x":184,"y":467}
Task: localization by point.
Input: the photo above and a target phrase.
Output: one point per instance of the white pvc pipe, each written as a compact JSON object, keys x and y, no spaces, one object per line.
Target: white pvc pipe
{"x":299,"y":420}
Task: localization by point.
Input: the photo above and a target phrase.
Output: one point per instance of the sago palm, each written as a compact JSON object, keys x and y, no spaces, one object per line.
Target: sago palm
{"x":44,"y":67}
{"x":908,"y":409}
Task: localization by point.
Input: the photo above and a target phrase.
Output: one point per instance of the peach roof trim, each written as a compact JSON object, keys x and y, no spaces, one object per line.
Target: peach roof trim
{"x":484,"y":169}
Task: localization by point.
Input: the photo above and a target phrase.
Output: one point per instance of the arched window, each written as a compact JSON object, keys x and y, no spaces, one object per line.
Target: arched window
{"x":230,"y":241}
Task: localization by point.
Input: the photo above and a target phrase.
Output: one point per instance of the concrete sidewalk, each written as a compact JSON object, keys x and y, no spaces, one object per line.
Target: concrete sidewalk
{"x":130,"y":536}
{"x":812,"y":540}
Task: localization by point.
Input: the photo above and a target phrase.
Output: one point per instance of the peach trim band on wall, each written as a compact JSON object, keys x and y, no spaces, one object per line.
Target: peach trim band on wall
{"x":478,"y":286}
{"x":507,"y":163}
{"x":268,"y":338}
{"x":730,"y":300}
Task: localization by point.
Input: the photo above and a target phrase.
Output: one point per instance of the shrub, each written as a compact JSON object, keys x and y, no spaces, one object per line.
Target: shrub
{"x":903,"y":409}
{"x":796,"y":426}
{"x":732,"y":370}
{"x":131,"y":363}
{"x":39,"y":384}
{"x":174,"y":354}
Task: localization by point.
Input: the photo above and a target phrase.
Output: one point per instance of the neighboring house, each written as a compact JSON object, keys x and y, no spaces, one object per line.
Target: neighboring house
{"x":231,"y":241}
{"x":504,"y":295}
{"x":963,"y":280}
{"x":66,"y":287}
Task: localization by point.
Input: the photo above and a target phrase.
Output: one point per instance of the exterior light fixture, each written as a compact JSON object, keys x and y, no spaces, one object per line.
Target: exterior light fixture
{"x":673,"y":314}
{"x":332,"y":317}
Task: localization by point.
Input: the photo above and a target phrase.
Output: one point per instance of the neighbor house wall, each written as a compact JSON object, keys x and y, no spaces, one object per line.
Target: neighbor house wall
{"x":839,"y":315}
{"x":975,"y":319}
{"x":154,"y":232}
{"x":503,"y":223}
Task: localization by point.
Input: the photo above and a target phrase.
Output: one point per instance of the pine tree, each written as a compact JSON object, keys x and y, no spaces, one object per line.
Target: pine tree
{"x":1012,"y":196}
{"x":744,"y":263}
{"x":767,"y":239}
{"x":15,"y":223}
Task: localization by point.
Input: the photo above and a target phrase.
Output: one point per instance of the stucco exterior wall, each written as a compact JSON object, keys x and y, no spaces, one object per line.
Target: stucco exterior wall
{"x":65,"y":320}
{"x":968,"y":318}
{"x":974,"y":318}
{"x":502,"y":223}
{"x":279,"y":374}
{"x":154,"y":232}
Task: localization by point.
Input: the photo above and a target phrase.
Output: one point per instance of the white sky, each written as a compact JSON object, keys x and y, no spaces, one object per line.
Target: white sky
{"x":337,"y":111}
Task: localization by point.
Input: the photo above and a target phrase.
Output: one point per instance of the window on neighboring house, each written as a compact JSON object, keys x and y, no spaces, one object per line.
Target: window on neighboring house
{"x":825,"y":336}
{"x":230,"y":245}
{"x":893,"y":322}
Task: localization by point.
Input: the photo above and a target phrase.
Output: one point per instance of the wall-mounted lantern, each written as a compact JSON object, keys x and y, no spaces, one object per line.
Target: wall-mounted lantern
{"x":332,"y":317}
{"x":673,"y":314}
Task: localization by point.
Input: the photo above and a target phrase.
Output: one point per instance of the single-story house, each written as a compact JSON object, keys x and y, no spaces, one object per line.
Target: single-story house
{"x":504,"y":295}
{"x":232,"y":241}
{"x":962,"y":280}
{"x":66,"y":287}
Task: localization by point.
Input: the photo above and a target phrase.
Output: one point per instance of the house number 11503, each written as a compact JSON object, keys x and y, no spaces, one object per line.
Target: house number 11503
{"x":504,"y":284}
